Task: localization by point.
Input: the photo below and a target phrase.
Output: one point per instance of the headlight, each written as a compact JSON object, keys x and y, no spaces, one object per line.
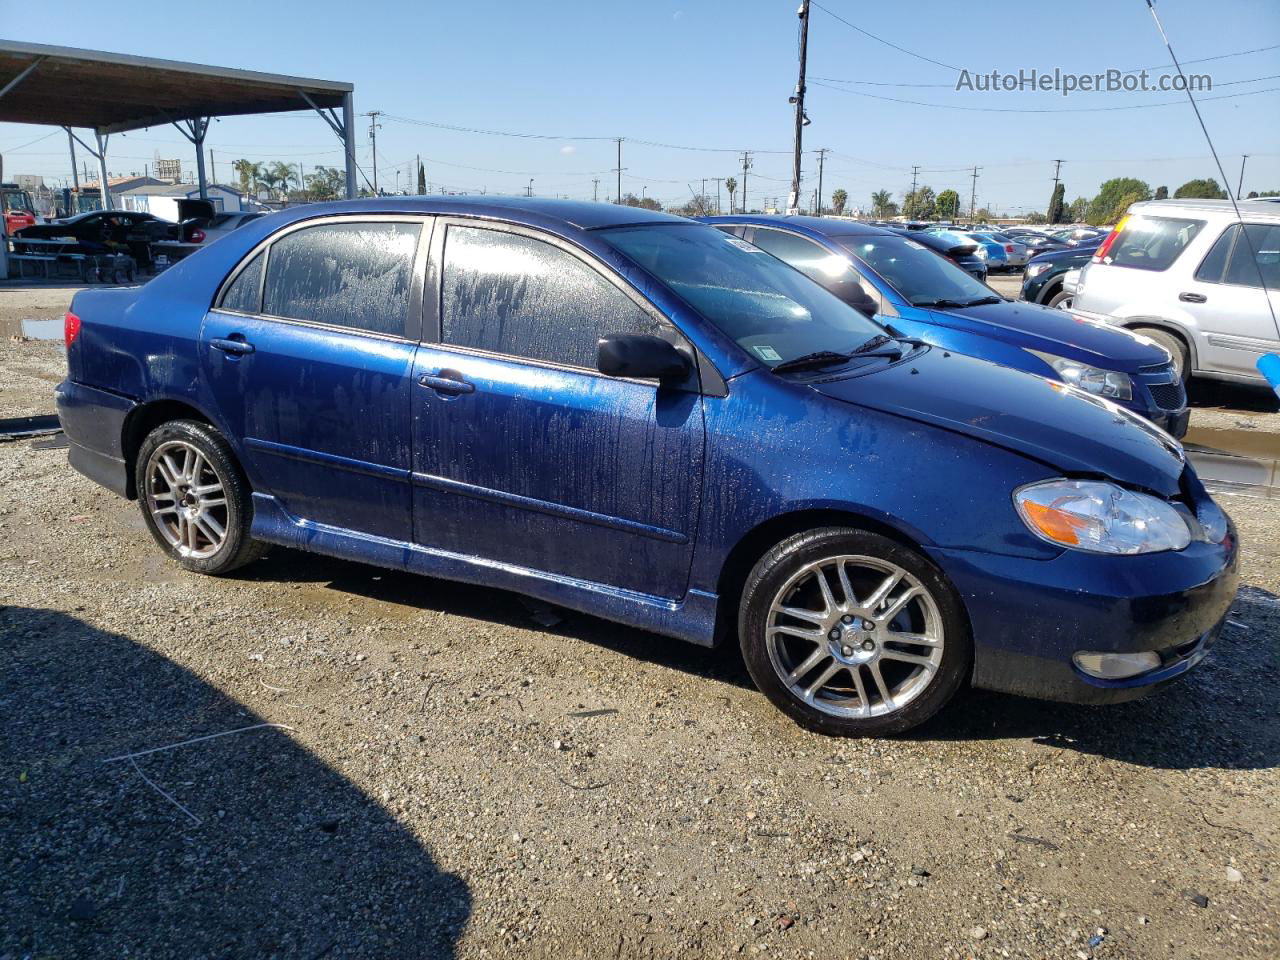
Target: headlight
{"x":1111,"y":384}
{"x":981,"y":253}
{"x":1100,"y":517}
{"x":1035,"y":269}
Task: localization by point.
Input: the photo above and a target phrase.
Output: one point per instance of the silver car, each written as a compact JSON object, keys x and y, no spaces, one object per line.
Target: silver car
{"x":1194,"y":277}
{"x":1017,"y":252}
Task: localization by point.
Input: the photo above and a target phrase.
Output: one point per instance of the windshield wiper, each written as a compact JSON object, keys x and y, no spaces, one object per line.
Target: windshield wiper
{"x":879,"y":340}
{"x":819,"y":358}
{"x":981,"y":300}
{"x":956,"y":303}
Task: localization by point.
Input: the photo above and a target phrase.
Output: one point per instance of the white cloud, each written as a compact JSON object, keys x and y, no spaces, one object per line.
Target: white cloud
{"x":568,"y":148}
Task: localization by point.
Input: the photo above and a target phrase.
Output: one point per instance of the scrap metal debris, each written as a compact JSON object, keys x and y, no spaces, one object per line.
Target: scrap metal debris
{"x":20,"y":428}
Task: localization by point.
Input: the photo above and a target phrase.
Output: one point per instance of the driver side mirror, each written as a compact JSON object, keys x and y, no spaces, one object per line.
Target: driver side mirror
{"x":642,"y":356}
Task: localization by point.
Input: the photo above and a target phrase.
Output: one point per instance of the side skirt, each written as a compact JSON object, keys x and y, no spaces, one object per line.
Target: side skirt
{"x":691,"y":619}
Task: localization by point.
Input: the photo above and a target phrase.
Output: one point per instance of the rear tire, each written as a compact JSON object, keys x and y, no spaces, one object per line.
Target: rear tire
{"x":1177,"y":349}
{"x":878,"y":649}
{"x":194,"y":498}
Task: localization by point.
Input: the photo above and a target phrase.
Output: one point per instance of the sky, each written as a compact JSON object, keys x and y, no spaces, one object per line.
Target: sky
{"x":702,"y":80}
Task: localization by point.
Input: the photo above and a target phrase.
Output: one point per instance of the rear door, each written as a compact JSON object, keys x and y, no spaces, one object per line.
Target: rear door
{"x":523,"y":453}
{"x":1235,"y":280}
{"x":307,"y":359}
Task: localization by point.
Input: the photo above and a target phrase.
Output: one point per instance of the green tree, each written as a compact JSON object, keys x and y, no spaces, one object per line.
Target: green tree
{"x":1114,"y":198}
{"x":1055,"y":203}
{"x":327,"y":183}
{"x":731,"y":184}
{"x":1200,"y":190}
{"x":1162,"y":193}
{"x":1078,"y":210}
{"x":276,"y":178}
{"x":250,"y":174}
{"x":881,"y":201}
{"x":1035,"y":216}
{"x":839,"y":197}
{"x":948,"y":205}
{"x":919,"y":205}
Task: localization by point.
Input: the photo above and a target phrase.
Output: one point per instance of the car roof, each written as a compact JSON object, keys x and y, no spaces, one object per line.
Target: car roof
{"x":583,"y":214}
{"x":1222,"y":208}
{"x":827,"y":226}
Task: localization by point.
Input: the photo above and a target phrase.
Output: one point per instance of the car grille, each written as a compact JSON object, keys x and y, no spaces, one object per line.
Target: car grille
{"x":1168,"y":396}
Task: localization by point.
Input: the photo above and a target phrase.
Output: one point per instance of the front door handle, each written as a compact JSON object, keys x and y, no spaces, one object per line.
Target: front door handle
{"x":446,"y":385}
{"x":232,"y":346}
{"x":1192,"y":297}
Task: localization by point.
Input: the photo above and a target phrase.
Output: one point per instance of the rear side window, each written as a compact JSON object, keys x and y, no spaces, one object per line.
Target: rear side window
{"x":353,"y":275}
{"x":1215,"y":261}
{"x":515,"y":295}
{"x":242,"y":295}
{"x":1255,"y":259}
{"x":1152,"y":243}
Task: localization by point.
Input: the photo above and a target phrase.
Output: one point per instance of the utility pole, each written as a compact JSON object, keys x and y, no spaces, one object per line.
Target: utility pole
{"x":374,"y":126}
{"x":822,"y":156}
{"x":1057,"y":169}
{"x":702,"y":197}
{"x":1240,"y":184}
{"x":746,"y":165}
{"x":528,"y":191}
{"x":618,"y":170}
{"x":718,"y":181}
{"x":915,"y":172}
{"x":595,"y":190}
{"x":793,"y":202}
{"x":75,"y":174}
{"x":973,"y":194}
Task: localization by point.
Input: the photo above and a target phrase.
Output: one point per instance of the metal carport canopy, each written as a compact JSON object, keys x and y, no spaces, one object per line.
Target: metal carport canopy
{"x":113,"y":93}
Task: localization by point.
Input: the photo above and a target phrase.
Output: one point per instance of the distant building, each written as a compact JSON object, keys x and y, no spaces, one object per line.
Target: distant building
{"x":29,"y":182}
{"x":161,"y":199}
{"x":170,"y":170}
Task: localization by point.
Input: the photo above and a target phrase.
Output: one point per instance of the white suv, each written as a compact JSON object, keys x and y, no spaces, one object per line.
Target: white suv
{"x":1196,"y":278}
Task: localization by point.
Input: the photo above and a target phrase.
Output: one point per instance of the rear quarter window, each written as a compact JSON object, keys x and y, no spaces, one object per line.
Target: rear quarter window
{"x":1153,"y":243}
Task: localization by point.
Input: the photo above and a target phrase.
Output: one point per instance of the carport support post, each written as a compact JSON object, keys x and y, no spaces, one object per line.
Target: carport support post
{"x":102,"y":168}
{"x":198,"y":128}
{"x":349,"y":142}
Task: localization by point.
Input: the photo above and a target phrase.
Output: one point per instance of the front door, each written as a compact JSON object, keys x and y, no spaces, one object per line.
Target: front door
{"x":523,"y":453}
{"x":308,"y":360}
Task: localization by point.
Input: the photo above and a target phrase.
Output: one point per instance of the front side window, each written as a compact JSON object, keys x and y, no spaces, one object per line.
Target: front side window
{"x":1152,"y":243}
{"x":511,"y":294}
{"x":772,"y":311}
{"x":1255,"y":259}
{"x":353,"y":275}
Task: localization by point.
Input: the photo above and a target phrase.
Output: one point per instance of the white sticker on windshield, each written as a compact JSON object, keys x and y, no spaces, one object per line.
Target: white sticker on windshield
{"x":913,"y":245}
{"x":743,"y":245}
{"x":768,"y":354}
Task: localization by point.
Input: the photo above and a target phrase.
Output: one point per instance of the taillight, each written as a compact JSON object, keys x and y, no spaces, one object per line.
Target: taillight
{"x":1101,"y":253}
{"x":1008,"y":248}
{"x":197,"y":236}
{"x":70,"y":328}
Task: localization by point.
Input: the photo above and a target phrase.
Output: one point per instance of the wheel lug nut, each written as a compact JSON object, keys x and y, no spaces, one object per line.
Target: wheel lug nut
{"x":835,"y":634}
{"x":868,"y":645}
{"x":847,"y":619}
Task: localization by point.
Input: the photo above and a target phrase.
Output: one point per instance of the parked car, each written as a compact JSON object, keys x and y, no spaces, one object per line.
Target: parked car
{"x":1076,"y":236}
{"x":1016,"y":252}
{"x":1192,"y":276}
{"x":927,"y":297}
{"x":1042,"y":278}
{"x":634,"y":415}
{"x":101,"y":231}
{"x":961,"y":251}
{"x":221,"y":224}
{"x":989,"y":250}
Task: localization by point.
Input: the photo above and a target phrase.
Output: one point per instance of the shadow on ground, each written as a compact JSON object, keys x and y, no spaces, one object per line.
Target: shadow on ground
{"x":277,"y":856}
{"x":1232,"y":396}
{"x":1221,"y":715}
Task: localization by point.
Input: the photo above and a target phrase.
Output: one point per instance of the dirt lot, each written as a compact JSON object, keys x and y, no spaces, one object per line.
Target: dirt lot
{"x":444,"y":776}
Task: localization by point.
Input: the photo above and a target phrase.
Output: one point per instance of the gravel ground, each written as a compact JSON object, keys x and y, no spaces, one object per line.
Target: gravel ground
{"x":443,"y":776}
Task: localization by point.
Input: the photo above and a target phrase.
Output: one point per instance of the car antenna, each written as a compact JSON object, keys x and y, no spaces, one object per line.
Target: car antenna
{"x":1268,"y":363}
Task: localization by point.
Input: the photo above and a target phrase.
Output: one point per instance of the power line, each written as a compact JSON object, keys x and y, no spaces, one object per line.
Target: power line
{"x":887,"y":43}
{"x":951,"y":106}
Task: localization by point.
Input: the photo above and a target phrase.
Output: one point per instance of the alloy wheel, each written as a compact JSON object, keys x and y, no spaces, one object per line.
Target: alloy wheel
{"x":854,"y":636}
{"x":186,"y":499}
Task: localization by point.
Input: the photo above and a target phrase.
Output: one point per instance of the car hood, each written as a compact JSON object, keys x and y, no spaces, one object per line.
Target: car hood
{"x":1056,"y":331}
{"x":1052,"y":422}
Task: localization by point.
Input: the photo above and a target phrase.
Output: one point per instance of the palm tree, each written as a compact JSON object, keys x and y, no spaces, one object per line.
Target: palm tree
{"x":731,"y":185}
{"x":839,"y":197}
{"x":277,"y":177}
{"x":880,"y":201}
{"x":250,"y":174}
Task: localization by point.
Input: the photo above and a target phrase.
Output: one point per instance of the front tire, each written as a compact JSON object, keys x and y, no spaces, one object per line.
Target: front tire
{"x":1177,"y":349}
{"x":851,"y":633}
{"x":1061,"y":300}
{"x":194,"y":498}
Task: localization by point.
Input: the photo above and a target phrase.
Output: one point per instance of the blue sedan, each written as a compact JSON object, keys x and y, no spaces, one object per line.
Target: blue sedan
{"x":927,"y":296}
{"x":643,"y":418}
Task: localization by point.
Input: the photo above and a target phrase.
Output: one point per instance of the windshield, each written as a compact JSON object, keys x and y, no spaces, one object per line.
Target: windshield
{"x":773,"y":311}
{"x":17,"y":201}
{"x":920,"y":276}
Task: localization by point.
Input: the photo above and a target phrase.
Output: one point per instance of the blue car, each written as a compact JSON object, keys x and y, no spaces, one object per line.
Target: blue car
{"x":640,"y":417}
{"x":927,"y":296}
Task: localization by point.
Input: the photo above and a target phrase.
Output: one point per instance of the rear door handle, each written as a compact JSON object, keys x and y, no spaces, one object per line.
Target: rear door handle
{"x":1192,"y":297}
{"x":446,"y":384}
{"x":237,"y":347}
